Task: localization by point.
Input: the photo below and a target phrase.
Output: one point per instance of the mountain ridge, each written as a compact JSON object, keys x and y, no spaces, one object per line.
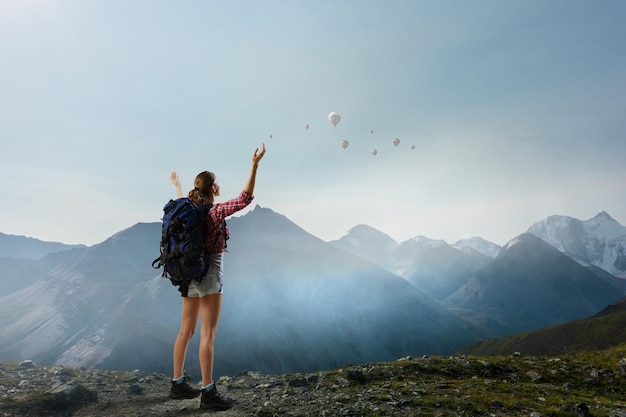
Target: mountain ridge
{"x":23,"y":247}
{"x":95,"y":306}
{"x":292,"y":302}
{"x":531,"y":285}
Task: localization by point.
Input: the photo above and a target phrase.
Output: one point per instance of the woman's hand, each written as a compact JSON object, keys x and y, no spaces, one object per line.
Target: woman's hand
{"x":258,"y":155}
{"x":174,"y":180}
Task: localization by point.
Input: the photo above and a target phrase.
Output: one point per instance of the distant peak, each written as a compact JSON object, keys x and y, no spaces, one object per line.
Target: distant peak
{"x":604,"y":216}
{"x":559,"y":219}
{"x":478,"y":244}
{"x":258,"y":210}
{"x":426,"y":240}
{"x":264,"y":212}
{"x":512,"y":242}
{"x":261,"y":208}
{"x":361,"y":227}
{"x":473,"y":239}
{"x":603,"y":226}
{"x":365,"y":231}
{"x":523,"y":238}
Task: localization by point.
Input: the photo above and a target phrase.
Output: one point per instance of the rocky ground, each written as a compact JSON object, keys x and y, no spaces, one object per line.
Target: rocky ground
{"x":591,"y":384}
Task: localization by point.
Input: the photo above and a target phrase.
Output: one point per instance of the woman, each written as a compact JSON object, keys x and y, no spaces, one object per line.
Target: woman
{"x":204,"y":298}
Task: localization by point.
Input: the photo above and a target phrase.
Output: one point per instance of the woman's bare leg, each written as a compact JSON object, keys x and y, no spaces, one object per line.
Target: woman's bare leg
{"x":189,"y":318}
{"x":210,"y":307}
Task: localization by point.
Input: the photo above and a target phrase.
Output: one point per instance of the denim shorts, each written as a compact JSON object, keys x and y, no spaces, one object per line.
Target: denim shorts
{"x":211,"y":282}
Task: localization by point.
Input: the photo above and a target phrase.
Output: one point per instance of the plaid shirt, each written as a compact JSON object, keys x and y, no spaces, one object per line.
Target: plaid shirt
{"x":215,"y":238}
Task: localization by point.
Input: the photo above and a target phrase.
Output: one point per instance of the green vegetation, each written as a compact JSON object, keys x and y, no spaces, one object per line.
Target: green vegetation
{"x":595,"y":333}
{"x":500,"y":385}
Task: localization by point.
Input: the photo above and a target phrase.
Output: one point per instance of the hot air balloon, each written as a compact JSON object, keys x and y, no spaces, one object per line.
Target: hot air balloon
{"x":334,"y":118}
{"x":344,"y":144}
{"x":374,"y":152}
{"x":306,"y":126}
{"x":396,"y":142}
{"x":413,"y":147}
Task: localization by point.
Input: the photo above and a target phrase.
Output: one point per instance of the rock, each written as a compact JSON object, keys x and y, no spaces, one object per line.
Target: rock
{"x":621,"y":367}
{"x":69,"y":396}
{"x":578,"y":410}
{"x":342,"y":382}
{"x":298,"y":382}
{"x":134,"y":389}
{"x":136,"y":375}
{"x":534,"y":376}
{"x":27,"y":364}
{"x":355,"y":375}
{"x":497,"y":404}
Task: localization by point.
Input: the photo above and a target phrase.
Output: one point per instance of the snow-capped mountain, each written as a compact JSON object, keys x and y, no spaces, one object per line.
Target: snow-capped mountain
{"x":405,"y":253}
{"x":399,"y":258}
{"x":431,"y":265}
{"x":480,"y":245}
{"x":599,"y":241}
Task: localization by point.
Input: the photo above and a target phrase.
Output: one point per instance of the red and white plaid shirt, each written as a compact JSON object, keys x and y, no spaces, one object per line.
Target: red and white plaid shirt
{"x":215,"y":240}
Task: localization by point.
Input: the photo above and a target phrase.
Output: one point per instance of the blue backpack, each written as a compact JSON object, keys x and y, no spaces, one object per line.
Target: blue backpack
{"x":182,"y":243}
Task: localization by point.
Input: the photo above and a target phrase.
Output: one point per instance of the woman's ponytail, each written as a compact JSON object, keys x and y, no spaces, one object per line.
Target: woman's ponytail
{"x":202,"y":194}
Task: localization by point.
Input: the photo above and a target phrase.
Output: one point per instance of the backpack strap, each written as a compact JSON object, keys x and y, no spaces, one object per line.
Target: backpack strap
{"x":222,"y":232}
{"x":184,"y":288}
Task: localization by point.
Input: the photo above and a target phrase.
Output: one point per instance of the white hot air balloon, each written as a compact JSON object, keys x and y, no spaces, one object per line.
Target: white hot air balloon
{"x":396,"y":142}
{"x":344,"y":144}
{"x":374,"y":152}
{"x":334,"y":118}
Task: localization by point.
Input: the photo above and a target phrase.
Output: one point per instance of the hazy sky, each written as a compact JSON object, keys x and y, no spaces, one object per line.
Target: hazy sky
{"x":516,"y":110}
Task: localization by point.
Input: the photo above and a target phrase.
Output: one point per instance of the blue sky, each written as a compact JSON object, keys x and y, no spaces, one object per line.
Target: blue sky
{"x":516,"y":111}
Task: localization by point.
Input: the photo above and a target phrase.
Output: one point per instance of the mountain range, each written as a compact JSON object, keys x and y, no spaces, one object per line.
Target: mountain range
{"x":21,"y":247}
{"x":531,"y":285}
{"x":293,"y":302}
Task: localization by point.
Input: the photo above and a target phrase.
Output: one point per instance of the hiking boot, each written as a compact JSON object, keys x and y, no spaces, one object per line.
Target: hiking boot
{"x":183,"y":391}
{"x":212,"y":400}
